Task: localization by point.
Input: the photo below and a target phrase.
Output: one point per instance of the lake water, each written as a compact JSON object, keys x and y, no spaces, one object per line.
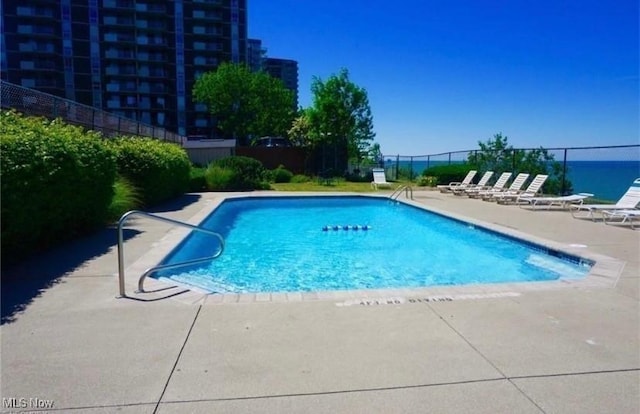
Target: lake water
{"x":607,"y":180}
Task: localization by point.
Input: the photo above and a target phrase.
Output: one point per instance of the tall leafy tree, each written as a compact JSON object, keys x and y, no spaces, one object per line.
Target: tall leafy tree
{"x":245,"y":104}
{"x":340,"y":120}
{"x":273,"y":106}
{"x":375,"y":154}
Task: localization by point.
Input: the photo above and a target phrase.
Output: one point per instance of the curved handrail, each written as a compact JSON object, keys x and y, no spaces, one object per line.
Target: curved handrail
{"x":407,"y":189}
{"x":121,"y":222}
{"x":173,"y":266}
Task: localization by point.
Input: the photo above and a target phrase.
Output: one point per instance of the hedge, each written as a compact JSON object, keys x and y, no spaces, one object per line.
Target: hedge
{"x":448,"y":173}
{"x":57,"y":183}
{"x":159,"y":170}
{"x":236,"y":173}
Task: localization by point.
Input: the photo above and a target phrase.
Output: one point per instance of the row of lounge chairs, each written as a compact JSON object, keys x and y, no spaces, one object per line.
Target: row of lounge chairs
{"x":625,"y":210}
{"x":497,"y":192}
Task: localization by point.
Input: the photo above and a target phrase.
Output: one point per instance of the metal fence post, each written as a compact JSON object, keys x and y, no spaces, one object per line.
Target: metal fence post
{"x":410,"y":168}
{"x":564,"y":174}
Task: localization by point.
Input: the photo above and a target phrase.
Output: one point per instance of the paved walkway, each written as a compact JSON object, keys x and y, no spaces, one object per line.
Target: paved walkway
{"x":67,"y":341}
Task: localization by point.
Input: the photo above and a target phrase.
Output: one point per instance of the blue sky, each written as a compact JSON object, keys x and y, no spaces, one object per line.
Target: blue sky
{"x":443,"y":75}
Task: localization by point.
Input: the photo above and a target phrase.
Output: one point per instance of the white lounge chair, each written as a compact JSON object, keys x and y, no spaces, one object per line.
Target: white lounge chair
{"x":461,"y":190}
{"x":514,"y":188}
{"x":625,"y":216}
{"x":563,"y":202}
{"x":531,"y":191}
{"x":446,"y":188}
{"x":379,"y":179}
{"x":498,"y":186}
{"x":628,"y":201}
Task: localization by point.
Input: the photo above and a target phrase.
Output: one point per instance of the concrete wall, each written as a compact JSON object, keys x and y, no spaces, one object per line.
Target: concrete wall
{"x":204,"y":156}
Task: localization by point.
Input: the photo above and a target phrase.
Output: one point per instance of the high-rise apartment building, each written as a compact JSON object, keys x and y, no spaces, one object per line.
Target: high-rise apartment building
{"x":137,"y":58}
{"x":284,"y":69}
{"x":287,"y":71}
{"x":255,"y":54}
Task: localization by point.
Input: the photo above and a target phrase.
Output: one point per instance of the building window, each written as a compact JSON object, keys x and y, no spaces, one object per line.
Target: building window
{"x":33,"y":46}
{"x":205,"y":60}
{"x":206,"y":46}
{"x":118,"y":3}
{"x":28,"y":82}
{"x":145,"y":102}
{"x":34,"y":11}
{"x":113,"y":103}
{"x":24,"y":28}
{"x":26,"y":46}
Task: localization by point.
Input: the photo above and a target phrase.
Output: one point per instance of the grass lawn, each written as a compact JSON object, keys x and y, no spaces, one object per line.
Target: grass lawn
{"x":335,"y":185}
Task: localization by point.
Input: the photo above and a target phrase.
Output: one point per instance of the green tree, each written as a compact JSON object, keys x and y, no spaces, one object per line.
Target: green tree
{"x":375,"y":154}
{"x":497,"y":155}
{"x":274,"y":106}
{"x":494,"y":155}
{"x":245,"y":104}
{"x":340,"y":120}
{"x":300,"y":131}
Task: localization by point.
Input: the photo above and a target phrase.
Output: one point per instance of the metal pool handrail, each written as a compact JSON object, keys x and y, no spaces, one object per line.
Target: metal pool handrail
{"x":121,"y":222}
{"x":407,"y":189}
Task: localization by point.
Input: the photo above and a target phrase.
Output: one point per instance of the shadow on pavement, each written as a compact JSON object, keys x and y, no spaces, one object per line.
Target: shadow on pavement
{"x":25,"y":281}
{"x":176,"y":204}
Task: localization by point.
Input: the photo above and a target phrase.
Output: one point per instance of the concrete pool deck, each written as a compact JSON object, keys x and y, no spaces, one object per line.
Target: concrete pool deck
{"x":67,"y":341}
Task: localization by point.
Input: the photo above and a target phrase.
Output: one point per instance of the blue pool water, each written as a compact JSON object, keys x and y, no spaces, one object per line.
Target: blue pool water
{"x":278,"y":244}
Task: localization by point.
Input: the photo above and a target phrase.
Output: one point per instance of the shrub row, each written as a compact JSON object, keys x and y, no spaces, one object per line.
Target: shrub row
{"x":59,"y":181}
{"x":448,"y":173}
{"x":239,"y":173}
{"x":236,"y":174}
{"x":160,"y":170}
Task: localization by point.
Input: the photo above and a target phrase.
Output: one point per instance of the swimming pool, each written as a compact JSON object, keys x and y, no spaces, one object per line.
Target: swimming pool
{"x":319,"y":243}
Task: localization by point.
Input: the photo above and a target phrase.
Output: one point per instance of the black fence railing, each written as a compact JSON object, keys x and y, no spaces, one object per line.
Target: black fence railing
{"x":35,"y":103}
{"x":581,"y":166}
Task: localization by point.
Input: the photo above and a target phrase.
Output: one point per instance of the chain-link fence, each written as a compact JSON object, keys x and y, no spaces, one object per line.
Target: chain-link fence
{"x":36,"y":103}
{"x":606,"y":171}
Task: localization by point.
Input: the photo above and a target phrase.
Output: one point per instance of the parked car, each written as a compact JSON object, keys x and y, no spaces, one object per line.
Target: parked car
{"x":273,"y":142}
